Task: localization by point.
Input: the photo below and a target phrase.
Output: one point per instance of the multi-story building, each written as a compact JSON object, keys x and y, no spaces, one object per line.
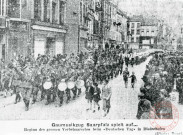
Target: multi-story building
{"x":148,"y":36}
{"x":3,"y":5}
{"x":15,"y":15}
{"x":122,"y":27}
{"x":112,"y":34}
{"x":134,"y":31}
{"x":32,"y":27}
{"x":113,"y":24}
{"x":48,"y":26}
{"x":83,"y":20}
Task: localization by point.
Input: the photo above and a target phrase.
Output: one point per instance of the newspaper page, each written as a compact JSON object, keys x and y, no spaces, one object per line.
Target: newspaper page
{"x":91,"y":67}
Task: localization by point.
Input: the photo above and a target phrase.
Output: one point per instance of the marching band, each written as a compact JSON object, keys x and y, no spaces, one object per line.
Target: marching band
{"x":62,"y":76}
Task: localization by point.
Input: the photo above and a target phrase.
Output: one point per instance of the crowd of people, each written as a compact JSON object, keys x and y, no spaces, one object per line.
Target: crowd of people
{"x":63,"y":77}
{"x":162,"y":79}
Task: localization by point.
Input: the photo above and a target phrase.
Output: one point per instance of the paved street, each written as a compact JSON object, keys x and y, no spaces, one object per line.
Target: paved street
{"x":123,"y":104}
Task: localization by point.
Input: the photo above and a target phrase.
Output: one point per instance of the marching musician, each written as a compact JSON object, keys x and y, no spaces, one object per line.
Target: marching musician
{"x":61,"y":94}
{"x":16,"y":80}
{"x":121,"y":63}
{"x":125,"y":77}
{"x":50,"y":92}
{"x":73,"y":80}
{"x":25,"y":86}
{"x":68,"y":91}
{"x":44,"y":72}
{"x":37,"y":81}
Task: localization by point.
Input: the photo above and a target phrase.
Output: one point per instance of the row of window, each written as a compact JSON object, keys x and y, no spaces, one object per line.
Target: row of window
{"x":2,"y":7}
{"x":148,"y":31}
{"x":133,"y":25}
{"x":138,"y":32}
{"x":47,"y":12}
{"x":17,"y":9}
{"x":133,"y":41}
{"x":85,"y":18}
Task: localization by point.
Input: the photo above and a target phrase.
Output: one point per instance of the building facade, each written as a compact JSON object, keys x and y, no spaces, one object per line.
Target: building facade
{"x":48,"y":27}
{"x":113,"y":25}
{"x":134,"y":31}
{"x":51,"y":27}
{"x":32,"y":27}
{"x":15,"y":39}
{"x":148,"y":36}
{"x":122,"y":20}
{"x":2,"y":29}
{"x":83,"y":20}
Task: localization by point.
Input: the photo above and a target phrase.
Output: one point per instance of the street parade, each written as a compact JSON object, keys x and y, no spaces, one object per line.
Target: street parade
{"x":91,"y":59}
{"x":64,"y":78}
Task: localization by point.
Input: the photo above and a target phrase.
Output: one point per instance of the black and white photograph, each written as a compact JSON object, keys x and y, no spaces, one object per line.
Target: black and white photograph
{"x":91,"y":60}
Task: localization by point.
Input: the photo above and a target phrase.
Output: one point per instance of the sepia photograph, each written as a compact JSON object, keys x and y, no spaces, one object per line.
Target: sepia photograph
{"x":91,"y":60}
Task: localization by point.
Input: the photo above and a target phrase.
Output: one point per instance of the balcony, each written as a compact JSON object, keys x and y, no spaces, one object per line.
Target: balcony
{"x":48,"y":24}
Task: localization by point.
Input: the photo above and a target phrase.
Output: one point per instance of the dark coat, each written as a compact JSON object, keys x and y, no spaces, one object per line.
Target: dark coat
{"x":89,"y":92}
{"x":96,"y":96}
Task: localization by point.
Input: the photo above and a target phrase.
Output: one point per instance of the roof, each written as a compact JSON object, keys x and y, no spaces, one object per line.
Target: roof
{"x":149,"y":22}
{"x":122,"y":13}
{"x":136,"y":18}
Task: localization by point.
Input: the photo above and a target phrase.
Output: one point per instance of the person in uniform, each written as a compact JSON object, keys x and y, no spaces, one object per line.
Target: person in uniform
{"x":16,"y":80}
{"x":132,"y":61}
{"x":61,"y":94}
{"x":125,"y":77}
{"x":121,"y":62}
{"x":127,"y":60}
{"x":50,"y":93}
{"x":44,"y":72}
{"x":68,"y":91}
{"x":37,"y":81}
{"x":26,"y":85}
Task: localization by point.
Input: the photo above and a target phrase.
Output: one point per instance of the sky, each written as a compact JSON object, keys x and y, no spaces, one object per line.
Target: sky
{"x":171,"y":11}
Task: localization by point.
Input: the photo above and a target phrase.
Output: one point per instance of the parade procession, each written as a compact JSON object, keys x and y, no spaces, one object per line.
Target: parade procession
{"x":91,"y":59}
{"x":62,"y":76}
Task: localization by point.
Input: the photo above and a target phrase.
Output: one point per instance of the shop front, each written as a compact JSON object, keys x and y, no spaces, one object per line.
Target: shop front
{"x":48,"y":41}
